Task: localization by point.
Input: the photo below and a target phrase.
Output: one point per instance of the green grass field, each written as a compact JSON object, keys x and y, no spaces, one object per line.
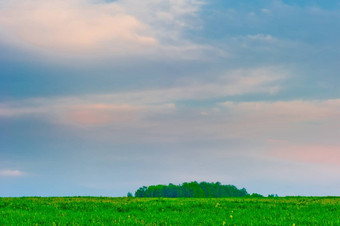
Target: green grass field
{"x":167,"y":211}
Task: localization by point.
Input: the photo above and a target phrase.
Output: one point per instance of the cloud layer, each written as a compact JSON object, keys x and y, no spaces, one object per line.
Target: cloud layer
{"x":234,"y":83}
{"x":115,"y":94}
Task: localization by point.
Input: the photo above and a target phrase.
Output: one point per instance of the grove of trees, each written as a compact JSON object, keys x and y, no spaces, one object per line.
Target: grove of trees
{"x":192,"y":189}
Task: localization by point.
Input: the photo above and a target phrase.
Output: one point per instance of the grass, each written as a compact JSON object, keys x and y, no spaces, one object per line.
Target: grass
{"x":165,"y":211}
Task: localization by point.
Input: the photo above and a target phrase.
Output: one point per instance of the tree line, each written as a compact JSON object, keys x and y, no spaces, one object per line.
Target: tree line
{"x":192,"y":189}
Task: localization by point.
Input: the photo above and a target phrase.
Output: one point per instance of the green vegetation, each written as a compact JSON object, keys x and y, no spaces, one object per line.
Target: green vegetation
{"x":170,"y":211}
{"x":192,"y":189}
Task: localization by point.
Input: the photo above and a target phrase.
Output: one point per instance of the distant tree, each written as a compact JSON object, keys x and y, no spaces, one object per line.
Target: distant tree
{"x":255,"y":195}
{"x":192,"y":189}
{"x":129,"y":194}
{"x":273,"y":195}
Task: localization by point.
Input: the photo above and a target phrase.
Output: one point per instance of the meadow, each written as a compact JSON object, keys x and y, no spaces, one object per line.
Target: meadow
{"x":170,"y":211}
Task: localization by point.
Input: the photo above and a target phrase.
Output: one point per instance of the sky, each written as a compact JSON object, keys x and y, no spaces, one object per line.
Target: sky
{"x":102,"y":97}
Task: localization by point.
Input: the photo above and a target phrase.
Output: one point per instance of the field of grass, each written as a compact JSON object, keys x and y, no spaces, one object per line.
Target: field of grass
{"x":167,"y":211}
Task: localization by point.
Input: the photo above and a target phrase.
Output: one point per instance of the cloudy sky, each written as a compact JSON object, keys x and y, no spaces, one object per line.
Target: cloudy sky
{"x":100,"y":97}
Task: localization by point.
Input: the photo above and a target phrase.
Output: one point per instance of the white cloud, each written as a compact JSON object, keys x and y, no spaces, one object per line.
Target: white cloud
{"x":106,"y":114}
{"x":261,"y":37}
{"x":284,"y":111}
{"x":11,"y":173}
{"x":265,"y":10}
{"x":238,"y":82}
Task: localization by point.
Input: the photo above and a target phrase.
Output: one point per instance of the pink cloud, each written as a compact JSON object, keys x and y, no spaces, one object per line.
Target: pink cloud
{"x":73,"y":26}
{"x":101,"y":114}
{"x":320,"y":154}
{"x":11,"y":173}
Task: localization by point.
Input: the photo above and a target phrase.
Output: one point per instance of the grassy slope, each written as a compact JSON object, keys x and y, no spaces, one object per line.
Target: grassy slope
{"x":162,"y":211}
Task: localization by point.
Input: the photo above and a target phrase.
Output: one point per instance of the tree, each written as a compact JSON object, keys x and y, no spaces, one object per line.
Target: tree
{"x":141,"y":192}
{"x":129,"y":194}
